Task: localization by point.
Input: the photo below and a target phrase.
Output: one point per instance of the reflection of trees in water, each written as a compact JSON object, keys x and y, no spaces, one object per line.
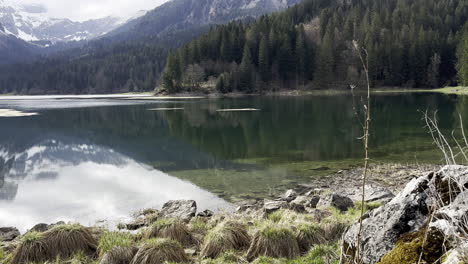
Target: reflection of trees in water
{"x":297,"y":128}
{"x":8,"y":190}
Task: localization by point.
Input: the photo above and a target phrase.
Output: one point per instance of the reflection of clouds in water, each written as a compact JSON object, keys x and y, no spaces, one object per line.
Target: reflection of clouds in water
{"x":90,"y":191}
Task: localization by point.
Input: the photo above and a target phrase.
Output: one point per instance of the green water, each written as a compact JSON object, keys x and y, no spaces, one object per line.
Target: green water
{"x":230,"y":155}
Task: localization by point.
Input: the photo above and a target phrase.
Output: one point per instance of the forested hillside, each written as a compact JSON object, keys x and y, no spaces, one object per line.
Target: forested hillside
{"x":102,"y":66}
{"x":130,"y":58}
{"x":411,"y":43}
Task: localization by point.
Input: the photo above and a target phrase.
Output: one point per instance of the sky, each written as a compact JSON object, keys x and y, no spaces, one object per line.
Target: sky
{"x":81,"y":10}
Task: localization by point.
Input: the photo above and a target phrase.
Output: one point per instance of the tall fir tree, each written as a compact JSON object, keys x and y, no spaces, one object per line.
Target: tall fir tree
{"x":172,"y":75}
{"x":247,"y":71}
{"x":326,"y":60}
{"x":462,"y":58}
{"x":264,"y":59}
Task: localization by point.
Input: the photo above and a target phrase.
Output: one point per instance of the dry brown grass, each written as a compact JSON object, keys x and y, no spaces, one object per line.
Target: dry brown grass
{"x":160,"y":251}
{"x":62,"y":242}
{"x":67,"y":240}
{"x":172,"y":229}
{"x":119,"y":255}
{"x":225,"y":237}
{"x":310,"y":235}
{"x":273,"y":241}
{"x":334,"y":230}
{"x":31,"y":249}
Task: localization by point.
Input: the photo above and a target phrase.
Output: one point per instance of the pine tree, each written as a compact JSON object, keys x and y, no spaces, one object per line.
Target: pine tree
{"x":172,"y":76}
{"x":264,"y":59}
{"x":462,"y":59}
{"x":326,"y":60}
{"x":247,"y":70}
{"x":300,"y":55}
{"x":286,"y":59}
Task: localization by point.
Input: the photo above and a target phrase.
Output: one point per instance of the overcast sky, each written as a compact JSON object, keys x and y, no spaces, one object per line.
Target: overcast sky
{"x":87,"y":9}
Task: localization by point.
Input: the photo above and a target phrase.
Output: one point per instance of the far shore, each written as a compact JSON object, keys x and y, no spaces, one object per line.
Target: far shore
{"x":203,"y":95}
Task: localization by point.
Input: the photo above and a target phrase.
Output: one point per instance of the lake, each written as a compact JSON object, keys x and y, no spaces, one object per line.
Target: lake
{"x":90,"y":159}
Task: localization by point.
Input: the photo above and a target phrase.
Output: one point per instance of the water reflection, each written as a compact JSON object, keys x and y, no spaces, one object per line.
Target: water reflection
{"x":102,"y":158}
{"x":54,"y":181}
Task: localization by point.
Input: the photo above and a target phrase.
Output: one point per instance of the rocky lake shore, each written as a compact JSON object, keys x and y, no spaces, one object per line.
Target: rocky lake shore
{"x":414,"y":214}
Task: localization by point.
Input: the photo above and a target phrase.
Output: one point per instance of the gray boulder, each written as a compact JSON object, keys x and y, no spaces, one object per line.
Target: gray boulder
{"x":8,"y":233}
{"x":307,"y":201}
{"x":272,"y":206}
{"x":342,"y":203}
{"x":206,"y":213}
{"x":42,"y":227}
{"x":374,"y":193}
{"x":180,"y":209}
{"x":457,"y":255}
{"x":136,"y":224}
{"x":409,"y":211}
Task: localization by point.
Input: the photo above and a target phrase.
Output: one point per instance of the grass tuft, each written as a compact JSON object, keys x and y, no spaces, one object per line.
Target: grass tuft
{"x":273,"y":241}
{"x":160,"y":251}
{"x":109,"y":240}
{"x":172,"y":229}
{"x":309,"y":235}
{"x":119,"y":255}
{"x":225,"y":237}
{"x":64,"y":242}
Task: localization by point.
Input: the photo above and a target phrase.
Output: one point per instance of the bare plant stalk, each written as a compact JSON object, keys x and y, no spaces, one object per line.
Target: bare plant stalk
{"x":367,"y":122}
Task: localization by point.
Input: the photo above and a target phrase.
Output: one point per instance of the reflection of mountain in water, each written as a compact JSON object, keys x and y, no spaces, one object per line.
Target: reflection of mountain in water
{"x":75,"y":181}
{"x":41,"y":161}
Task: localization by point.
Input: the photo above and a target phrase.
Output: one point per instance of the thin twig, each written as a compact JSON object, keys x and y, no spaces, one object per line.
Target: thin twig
{"x":367,"y":108}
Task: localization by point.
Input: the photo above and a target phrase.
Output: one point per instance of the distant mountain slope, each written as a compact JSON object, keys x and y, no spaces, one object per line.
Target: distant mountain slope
{"x":185,"y":14}
{"x":33,"y":23}
{"x":12,"y":49}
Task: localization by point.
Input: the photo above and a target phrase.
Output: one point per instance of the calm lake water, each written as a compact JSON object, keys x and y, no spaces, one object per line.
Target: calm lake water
{"x":91,"y":159}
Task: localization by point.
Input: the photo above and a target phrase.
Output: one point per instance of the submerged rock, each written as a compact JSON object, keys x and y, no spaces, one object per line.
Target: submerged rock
{"x":179,"y":209}
{"x":9,"y":233}
{"x":388,"y":231}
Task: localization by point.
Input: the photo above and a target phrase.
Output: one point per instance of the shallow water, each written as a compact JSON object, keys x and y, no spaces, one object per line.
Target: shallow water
{"x":89,"y":159}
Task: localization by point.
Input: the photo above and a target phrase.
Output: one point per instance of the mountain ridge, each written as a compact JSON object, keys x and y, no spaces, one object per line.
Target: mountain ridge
{"x":33,"y":23}
{"x":185,"y":14}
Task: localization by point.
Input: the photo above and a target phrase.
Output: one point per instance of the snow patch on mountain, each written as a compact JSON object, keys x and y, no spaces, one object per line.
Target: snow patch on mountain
{"x":32,"y":22}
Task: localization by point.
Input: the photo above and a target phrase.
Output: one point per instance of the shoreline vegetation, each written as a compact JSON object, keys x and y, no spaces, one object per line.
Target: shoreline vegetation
{"x":205,"y":93}
{"x":303,"y":225}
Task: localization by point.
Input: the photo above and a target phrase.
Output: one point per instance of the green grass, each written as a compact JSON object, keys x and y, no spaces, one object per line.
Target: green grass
{"x":229,"y":257}
{"x":31,"y":236}
{"x":322,"y":254}
{"x":110,"y":240}
{"x":199,"y":225}
{"x":79,"y":258}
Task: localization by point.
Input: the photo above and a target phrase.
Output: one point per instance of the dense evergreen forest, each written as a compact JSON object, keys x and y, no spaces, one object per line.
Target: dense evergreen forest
{"x":101,"y":66}
{"x":411,"y":43}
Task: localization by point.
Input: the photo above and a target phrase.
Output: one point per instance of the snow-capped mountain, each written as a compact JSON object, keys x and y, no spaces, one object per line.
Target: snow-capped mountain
{"x":33,"y":23}
{"x":186,"y":14}
{"x":13,"y":49}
